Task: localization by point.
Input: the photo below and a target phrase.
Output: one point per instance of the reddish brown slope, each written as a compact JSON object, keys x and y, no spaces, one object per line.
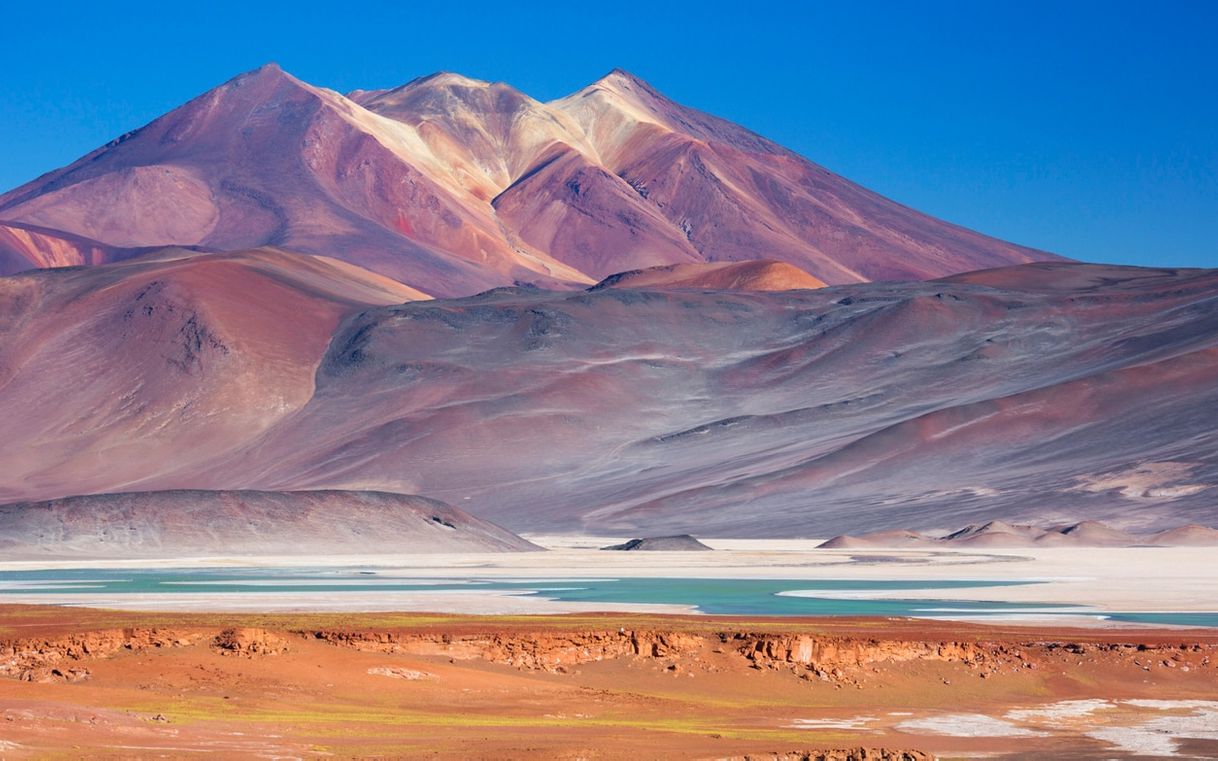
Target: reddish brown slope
{"x":112,"y":374}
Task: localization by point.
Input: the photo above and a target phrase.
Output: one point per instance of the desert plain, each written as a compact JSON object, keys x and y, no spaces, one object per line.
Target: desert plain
{"x":457,"y":674}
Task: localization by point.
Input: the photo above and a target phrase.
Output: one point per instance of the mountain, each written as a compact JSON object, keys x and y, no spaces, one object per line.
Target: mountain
{"x":454,"y":186}
{"x":1049,"y":393}
{"x":184,"y":523}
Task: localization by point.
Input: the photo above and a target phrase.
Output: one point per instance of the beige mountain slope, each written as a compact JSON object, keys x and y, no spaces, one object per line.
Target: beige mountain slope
{"x":489,"y":134}
{"x":726,"y":276}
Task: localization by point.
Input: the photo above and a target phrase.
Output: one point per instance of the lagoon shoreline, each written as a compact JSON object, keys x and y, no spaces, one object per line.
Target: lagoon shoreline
{"x":1103,"y":580}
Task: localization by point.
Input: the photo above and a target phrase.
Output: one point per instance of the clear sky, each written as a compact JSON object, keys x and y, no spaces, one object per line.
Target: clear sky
{"x":1085,"y":128}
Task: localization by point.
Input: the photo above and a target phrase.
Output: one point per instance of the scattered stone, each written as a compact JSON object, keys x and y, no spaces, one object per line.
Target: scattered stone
{"x":249,"y":643}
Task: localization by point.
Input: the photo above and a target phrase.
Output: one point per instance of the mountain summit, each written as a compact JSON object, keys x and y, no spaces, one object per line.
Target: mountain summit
{"x":454,"y":185}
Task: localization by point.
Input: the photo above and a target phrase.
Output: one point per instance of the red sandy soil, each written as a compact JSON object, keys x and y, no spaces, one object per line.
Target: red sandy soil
{"x":110,"y":684}
{"x":454,"y":186}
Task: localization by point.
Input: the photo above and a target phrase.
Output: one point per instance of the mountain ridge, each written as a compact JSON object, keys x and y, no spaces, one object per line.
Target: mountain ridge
{"x":454,"y":185}
{"x":642,"y":410}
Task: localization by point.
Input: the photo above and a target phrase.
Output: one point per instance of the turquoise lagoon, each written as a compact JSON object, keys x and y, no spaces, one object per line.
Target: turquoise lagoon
{"x":737,"y":597}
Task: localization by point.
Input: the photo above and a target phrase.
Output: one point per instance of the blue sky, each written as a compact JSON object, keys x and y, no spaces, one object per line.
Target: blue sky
{"x":1085,"y":128}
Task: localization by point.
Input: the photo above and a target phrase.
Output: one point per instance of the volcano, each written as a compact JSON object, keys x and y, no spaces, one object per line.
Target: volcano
{"x":453,"y":186}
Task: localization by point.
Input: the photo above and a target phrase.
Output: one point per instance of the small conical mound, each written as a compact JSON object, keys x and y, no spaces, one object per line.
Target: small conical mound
{"x":676,"y":543}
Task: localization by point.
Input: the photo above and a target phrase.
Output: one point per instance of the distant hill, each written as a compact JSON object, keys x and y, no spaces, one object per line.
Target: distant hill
{"x":758,"y":275}
{"x":998,"y":534}
{"x":188,"y":523}
{"x":676,"y":543}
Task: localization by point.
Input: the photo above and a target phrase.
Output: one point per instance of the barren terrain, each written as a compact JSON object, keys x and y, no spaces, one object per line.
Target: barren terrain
{"x":109,"y":684}
{"x":1050,"y":393}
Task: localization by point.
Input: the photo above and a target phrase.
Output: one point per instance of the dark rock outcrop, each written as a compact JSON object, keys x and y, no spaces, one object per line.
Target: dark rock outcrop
{"x":677,"y":543}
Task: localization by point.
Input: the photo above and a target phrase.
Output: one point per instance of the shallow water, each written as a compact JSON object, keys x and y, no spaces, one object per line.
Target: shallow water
{"x":746,"y":597}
